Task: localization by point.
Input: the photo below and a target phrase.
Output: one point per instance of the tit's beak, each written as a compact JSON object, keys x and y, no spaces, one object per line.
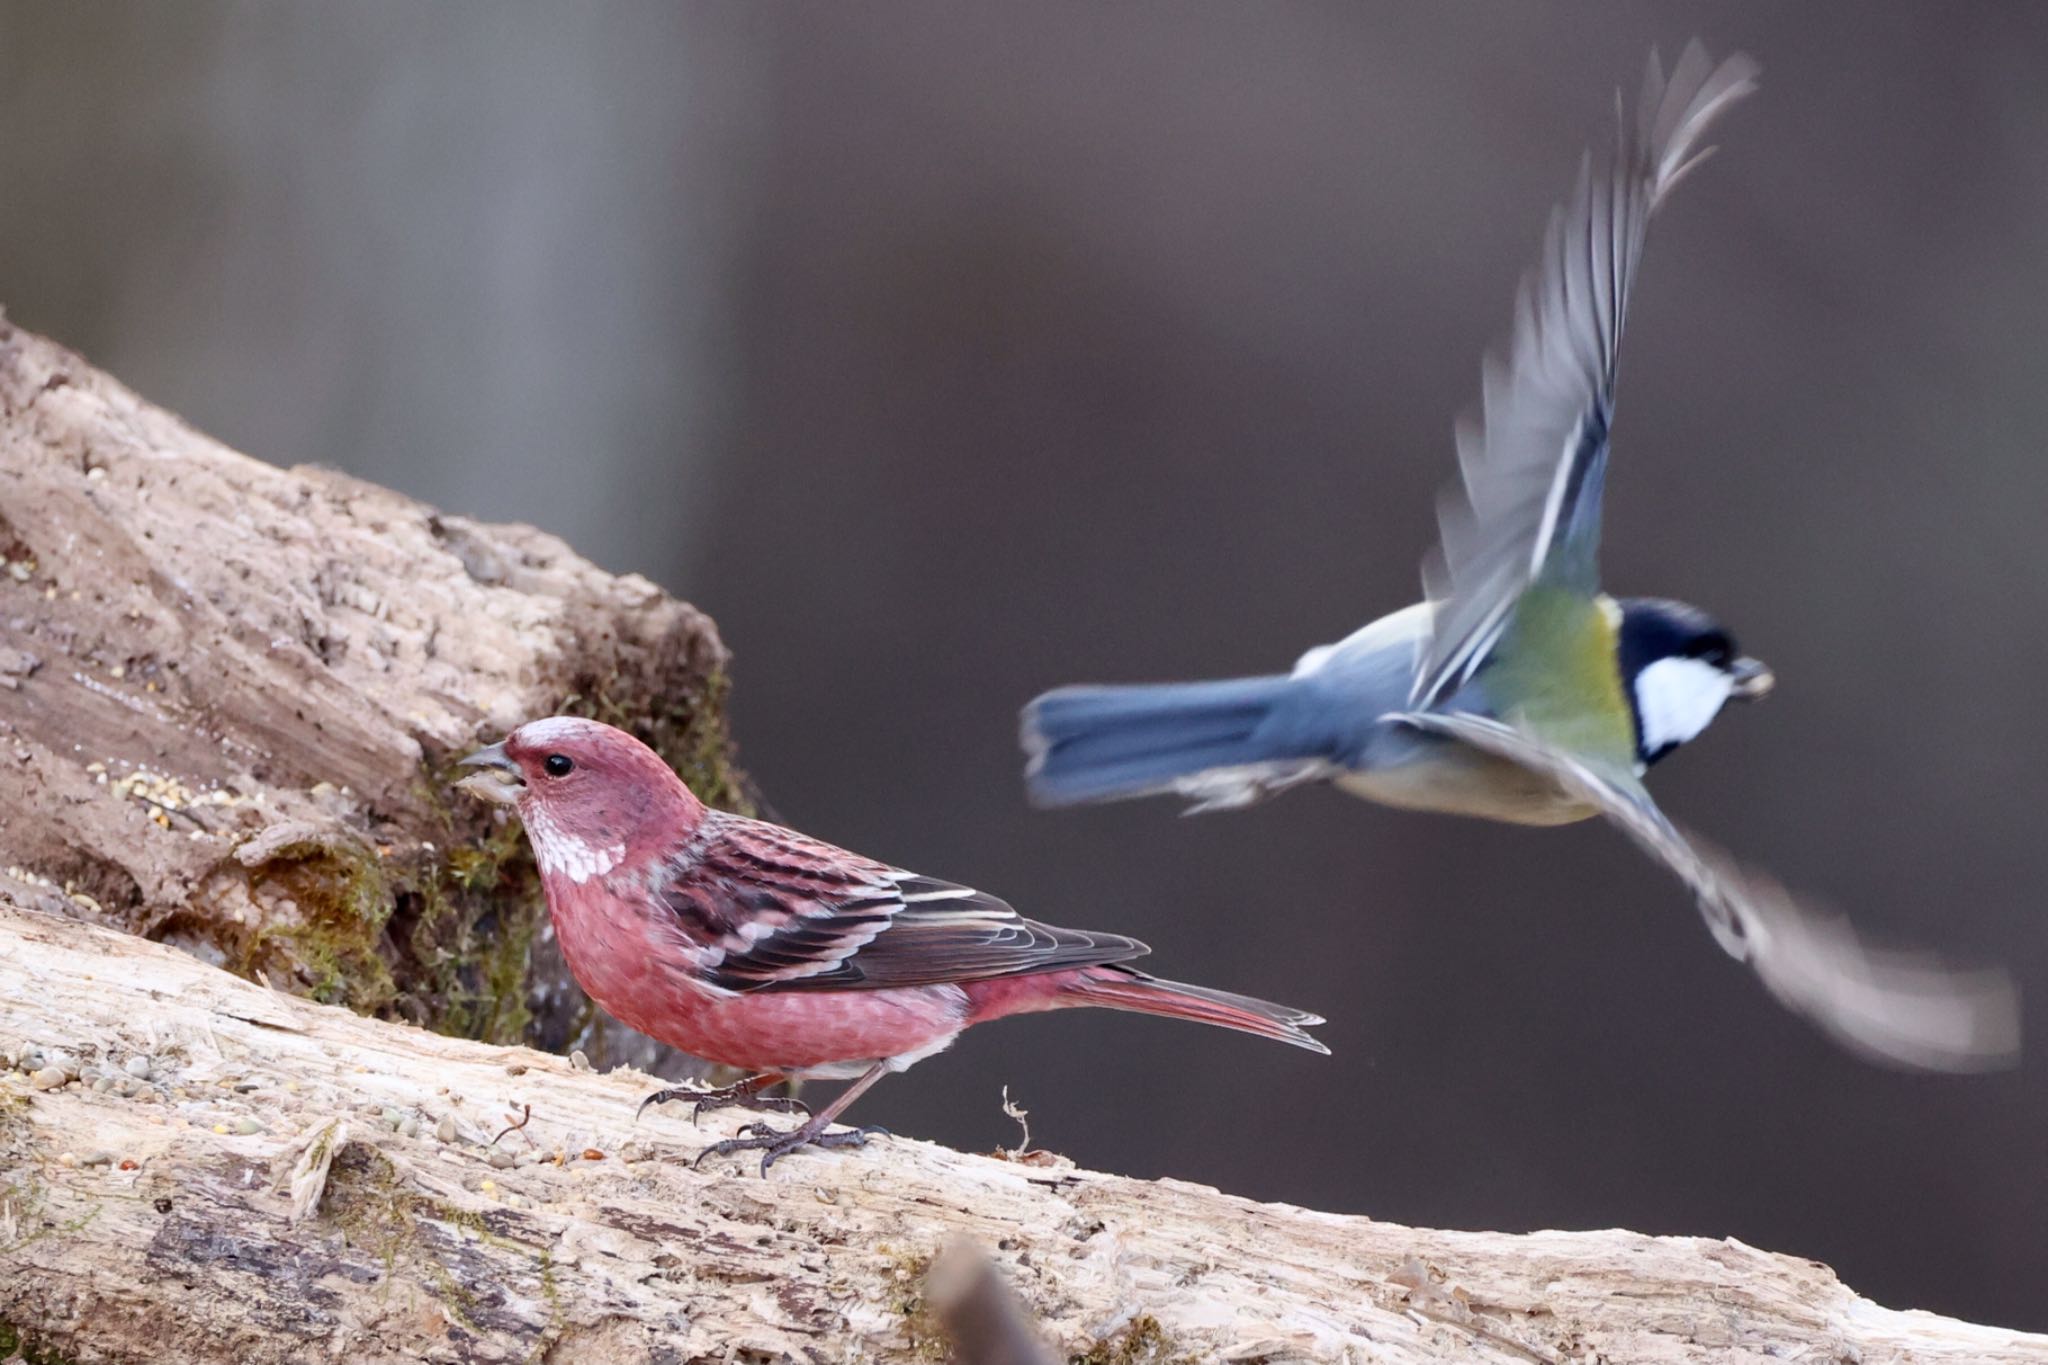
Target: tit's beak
{"x":1751,"y":679}
{"x":496,"y":777}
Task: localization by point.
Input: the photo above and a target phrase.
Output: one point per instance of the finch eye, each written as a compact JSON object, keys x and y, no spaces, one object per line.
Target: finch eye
{"x":557,"y":765}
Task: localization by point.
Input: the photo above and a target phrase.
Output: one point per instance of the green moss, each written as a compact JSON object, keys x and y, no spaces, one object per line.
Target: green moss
{"x":473,"y":916}
{"x":376,"y":1210}
{"x":344,"y":899}
{"x":366,"y":1200}
{"x":1141,"y":1342}
{"x":904,"y":1274}
{"x":15,"y":1340}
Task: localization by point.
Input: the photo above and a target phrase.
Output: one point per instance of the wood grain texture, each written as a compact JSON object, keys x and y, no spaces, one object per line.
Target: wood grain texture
{"x":189,"y":1220}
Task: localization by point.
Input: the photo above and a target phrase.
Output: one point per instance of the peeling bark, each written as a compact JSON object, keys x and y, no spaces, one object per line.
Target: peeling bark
{"x":189,"y":1220}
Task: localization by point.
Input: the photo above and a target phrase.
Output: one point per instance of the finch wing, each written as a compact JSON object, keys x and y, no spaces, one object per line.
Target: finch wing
{"x":1896,"y":1006}
{"x":765,"y":908}
{"x":1534,"y":463}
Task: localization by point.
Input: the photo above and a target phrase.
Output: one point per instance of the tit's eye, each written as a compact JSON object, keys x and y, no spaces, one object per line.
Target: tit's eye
{"x":557,"y":765}
{"x":1715,"y":648}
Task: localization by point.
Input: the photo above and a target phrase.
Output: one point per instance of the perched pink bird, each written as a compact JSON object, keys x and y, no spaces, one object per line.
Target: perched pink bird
{"x":752,"y":945}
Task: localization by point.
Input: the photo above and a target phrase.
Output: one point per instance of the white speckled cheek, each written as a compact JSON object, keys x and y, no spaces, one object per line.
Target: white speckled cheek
{"x":561,"y":853}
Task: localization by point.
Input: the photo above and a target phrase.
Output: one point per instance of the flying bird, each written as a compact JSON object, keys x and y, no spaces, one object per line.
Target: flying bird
{"x":1517,"y":690}
{"x":754,"y":946}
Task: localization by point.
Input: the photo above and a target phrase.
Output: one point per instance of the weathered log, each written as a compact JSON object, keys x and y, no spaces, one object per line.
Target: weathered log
{"x":228,"y":696}
{"x":229,"y":692}
{"x":195,"y":1168}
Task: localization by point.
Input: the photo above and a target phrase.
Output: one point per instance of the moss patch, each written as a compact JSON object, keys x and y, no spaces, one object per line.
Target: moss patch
{"x":344,"y":898}
{"x":376,"y":1210}
{"x":18,"y":1341}
{"x":1141,"y":1342}
{"x":903,"y":1277}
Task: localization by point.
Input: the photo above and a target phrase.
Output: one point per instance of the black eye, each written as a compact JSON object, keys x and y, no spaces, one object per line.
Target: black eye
{"x":557,"y":765}
{"x":1716,"y":649}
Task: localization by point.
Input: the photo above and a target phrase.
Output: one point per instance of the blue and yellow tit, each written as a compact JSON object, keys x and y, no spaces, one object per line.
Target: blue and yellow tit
{"x":1518,"y":690}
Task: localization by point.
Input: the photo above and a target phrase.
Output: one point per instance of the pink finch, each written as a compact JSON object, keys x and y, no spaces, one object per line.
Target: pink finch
{"x":752,"y":945}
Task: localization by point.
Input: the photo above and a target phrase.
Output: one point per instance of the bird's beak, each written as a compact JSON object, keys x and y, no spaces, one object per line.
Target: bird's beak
{"x":496,"y":777}
{"x":1751,"y":679}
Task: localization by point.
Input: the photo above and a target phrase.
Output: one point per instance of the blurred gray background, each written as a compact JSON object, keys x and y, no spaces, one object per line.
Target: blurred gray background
{"x":947,"y":353}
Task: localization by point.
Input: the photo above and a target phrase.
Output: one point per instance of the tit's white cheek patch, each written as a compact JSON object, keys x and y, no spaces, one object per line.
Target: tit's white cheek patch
{"x":1677,"y":698}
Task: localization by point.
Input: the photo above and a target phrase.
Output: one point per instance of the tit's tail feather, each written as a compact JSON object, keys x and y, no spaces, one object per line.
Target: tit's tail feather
{"x":1221,"y":743}
{"x":1122,"y":988}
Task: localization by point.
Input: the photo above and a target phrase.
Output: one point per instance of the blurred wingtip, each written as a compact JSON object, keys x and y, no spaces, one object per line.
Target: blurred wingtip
{"x":1939,"y":1019}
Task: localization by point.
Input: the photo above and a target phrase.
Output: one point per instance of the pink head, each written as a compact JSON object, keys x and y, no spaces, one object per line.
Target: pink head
{"x":590,"y":795}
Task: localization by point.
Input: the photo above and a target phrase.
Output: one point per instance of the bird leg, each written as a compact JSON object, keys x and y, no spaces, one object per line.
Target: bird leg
{"x":746,"y":1093}
{"x":775,"y":1143}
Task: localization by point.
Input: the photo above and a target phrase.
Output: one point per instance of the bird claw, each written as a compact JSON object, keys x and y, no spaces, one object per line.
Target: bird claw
{"x":774,"y":1143}
{"x":772,"y":1104}
{"x":725,"y":1097}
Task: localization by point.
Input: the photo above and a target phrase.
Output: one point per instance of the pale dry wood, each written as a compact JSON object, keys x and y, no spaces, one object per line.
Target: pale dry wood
{"x":416,"y":1247}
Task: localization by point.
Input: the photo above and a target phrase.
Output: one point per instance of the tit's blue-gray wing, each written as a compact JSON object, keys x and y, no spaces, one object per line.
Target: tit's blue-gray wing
{"x":1901,"y":1007}
{"x":1534,"y":461}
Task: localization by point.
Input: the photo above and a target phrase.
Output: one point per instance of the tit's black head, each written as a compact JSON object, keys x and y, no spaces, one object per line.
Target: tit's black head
{"x":1678,"y":666}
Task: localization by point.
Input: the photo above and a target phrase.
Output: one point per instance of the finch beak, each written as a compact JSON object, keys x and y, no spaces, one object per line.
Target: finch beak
{"x":496,"y":777}
{"x":1751,"y":680}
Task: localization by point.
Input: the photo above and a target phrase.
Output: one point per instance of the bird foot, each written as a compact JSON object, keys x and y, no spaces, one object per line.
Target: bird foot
{"x":774,"y":1143}
{"x":725,"y":1097}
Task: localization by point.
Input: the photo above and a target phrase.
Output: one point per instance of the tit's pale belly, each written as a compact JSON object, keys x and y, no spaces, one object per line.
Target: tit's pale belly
{"x":1454,"y":779}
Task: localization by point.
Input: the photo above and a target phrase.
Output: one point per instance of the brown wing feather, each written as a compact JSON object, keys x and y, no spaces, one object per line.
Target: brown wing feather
{"x":767,"y":908}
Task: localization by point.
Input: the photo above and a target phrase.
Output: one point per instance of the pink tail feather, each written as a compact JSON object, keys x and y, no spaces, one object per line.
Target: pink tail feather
{"x":1120,"y":988}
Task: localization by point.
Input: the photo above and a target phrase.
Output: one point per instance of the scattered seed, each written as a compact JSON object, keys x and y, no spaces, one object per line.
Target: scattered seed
{"x":247,"y":1126}
{"x":220,"y":1128}
{"x":580,"y":1062}
{"x":129,"y":1163}
{"x":488,"y":1185}
{"x":130,"y":1088}
{"x":48,"y":1078}
{"x":97,"y":1159}
{"x":392,"y":1117}
{"x":445,"y":1129}
{"x":66,"y":1159}
{"x":515,"y":1069}
{"x":501,"y":1159}
{"x":101,"y":1085}
{"x":410,"y":1128}
{"x":138,"y":1067}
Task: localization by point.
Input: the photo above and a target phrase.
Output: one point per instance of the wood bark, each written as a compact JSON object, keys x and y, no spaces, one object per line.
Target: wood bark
{"x":229,"y":694}
{"x":195,"y":1168}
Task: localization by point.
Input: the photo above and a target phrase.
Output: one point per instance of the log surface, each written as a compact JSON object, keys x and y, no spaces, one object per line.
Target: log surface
{"x":293,"y":1182}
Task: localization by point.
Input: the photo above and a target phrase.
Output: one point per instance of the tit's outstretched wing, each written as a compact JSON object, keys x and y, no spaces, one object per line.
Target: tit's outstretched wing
{"x":759,"y":907}
{"x":1534,"y":462}
{"x":1896,"y":1006}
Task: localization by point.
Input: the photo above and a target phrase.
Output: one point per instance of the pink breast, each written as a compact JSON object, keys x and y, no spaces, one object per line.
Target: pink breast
{"x":630,"y":964}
